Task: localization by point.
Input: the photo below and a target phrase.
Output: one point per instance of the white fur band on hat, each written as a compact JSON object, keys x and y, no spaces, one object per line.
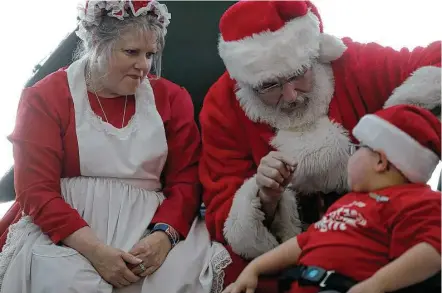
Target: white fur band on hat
{"x":416,"y":162}
{"x":267,"y":55}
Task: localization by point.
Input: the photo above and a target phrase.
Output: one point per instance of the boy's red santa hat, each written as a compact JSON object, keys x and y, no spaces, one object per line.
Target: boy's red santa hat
{"x":262,"y":40}
{"x":409,"y":136}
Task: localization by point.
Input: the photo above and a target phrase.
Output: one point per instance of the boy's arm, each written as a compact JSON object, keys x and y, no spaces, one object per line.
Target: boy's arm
{"x":416,"y":265}
{"x":277,"y":259}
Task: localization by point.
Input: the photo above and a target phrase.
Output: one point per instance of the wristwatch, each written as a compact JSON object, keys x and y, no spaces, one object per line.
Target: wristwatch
{"x":171,"y":233}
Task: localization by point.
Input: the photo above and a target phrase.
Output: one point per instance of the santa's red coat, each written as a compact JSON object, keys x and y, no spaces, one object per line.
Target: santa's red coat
{"x":364,"y":80}
{"x":46,"y":149}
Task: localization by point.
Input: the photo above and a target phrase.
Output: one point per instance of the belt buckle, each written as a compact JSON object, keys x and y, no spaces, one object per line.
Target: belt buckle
{"x":315,"y":276}
{"x":323,"y":283}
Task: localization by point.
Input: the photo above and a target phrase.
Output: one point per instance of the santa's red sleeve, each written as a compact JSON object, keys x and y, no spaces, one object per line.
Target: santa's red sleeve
{"x":180,"y":176}
{"x":415,"y":219}
{"x":38,"y":154}
{"x":227,"y":172}
{"x":385,"y":77}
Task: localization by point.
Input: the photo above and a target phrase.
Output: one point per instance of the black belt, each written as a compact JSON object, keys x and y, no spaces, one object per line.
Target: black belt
{"x":315,"y":276}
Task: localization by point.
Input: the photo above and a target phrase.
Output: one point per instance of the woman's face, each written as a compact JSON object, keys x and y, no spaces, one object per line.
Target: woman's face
{"x":130,"y":63}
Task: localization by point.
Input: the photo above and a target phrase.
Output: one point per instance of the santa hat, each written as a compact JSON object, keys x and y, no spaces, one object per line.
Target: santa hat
{"x":261,"y":40}
{"x":410,"y":137}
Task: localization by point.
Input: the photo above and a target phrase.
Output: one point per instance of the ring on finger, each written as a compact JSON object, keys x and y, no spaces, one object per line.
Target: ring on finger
{"x":142,"y":267}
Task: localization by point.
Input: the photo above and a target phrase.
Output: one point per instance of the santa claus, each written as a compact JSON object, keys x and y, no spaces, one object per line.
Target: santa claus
{"x":275,"y":126}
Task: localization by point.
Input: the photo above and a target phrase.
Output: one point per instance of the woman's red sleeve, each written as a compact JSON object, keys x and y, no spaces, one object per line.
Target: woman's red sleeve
{"x":38,"y":155}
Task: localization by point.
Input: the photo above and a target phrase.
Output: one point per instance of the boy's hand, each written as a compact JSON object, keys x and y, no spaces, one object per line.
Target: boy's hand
{"x":368,"y":286}
{"x":246,"y":282}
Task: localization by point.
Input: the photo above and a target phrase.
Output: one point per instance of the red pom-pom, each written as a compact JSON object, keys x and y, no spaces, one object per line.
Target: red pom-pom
{"x":289,"y":10}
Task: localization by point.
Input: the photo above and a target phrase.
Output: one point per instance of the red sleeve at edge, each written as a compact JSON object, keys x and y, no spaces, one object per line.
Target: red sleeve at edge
{"x":38,"y":154}
{"x":380,"y":70}
{"x":418,"y":220}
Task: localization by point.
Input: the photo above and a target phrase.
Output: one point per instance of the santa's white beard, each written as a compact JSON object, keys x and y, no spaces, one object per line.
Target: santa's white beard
{"x":307,"y":108}
{"x":291,"y":108}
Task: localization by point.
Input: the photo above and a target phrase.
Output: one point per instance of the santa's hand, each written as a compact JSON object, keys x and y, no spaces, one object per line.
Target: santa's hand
{"x":274,"y":174}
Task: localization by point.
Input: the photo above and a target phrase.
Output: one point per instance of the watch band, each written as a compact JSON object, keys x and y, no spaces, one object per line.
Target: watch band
{"x":171,"y":233}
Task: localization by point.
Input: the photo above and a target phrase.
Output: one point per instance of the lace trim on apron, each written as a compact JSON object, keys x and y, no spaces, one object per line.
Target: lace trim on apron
{"x":14,"y":240}
{"x":143,"y":107}
{"x":220,"y":261}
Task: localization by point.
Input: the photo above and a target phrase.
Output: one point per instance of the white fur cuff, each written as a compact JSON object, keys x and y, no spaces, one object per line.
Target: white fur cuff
{"x":244,"y":228}
{"x":422,"y":88}
{"x":287,"y":224}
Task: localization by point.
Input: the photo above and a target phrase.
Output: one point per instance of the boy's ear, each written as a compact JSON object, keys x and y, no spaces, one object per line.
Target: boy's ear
{"x":382,"y":164}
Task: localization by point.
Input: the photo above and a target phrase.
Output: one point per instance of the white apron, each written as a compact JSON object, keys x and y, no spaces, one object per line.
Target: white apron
{"x":117,"y":195}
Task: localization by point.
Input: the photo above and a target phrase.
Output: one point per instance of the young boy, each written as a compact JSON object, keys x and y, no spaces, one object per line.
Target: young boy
{"x":386,"y":234}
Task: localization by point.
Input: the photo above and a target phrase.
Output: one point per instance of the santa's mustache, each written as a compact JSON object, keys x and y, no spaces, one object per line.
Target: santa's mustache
{"x":300,"y":102}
